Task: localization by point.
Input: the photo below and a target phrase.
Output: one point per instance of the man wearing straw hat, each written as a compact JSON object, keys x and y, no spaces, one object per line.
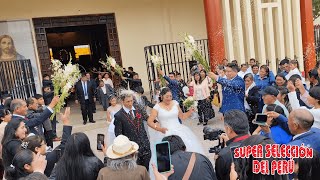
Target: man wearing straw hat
{"x":121,"y":163}
{"x":129,"y":122}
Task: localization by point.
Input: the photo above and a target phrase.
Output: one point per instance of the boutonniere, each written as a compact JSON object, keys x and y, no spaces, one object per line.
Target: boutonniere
{"x":138,"y":116}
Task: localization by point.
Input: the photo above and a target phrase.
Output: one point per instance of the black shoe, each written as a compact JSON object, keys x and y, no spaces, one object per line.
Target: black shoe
{"x":205,"y":124}
{"x":199,"y":123}
{"x":94,"y":111}
{"x":84,"y":123}
{"x":92,"y":121}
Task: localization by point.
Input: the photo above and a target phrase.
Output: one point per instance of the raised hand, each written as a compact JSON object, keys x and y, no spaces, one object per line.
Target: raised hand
{"x":273,"y":114}
{"x":66,"y":116}
{"x":290,"y":86}
{"x":39,"y":163}
{"x":54,"y":102}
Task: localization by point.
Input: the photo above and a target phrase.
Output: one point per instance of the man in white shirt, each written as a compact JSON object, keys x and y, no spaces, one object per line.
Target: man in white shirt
{"x":243,"y":71}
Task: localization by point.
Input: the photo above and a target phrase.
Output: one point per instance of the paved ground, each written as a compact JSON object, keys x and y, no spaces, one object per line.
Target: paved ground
{"x":100,"y":127}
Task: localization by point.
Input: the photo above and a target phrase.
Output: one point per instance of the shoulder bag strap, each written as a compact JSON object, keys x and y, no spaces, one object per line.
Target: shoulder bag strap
{"x":188,"y":172}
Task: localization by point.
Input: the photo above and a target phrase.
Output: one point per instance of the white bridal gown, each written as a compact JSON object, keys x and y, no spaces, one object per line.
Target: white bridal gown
{"x":169,"y":119}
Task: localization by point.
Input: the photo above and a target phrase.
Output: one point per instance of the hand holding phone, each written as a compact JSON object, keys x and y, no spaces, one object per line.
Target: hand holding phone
{"x":261,"y":119}
{"x":100,"y":141}
{"x":163,"y":156}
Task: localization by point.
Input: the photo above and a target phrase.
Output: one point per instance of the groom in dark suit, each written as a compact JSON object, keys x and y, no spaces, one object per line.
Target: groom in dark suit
{"x":85,"y":94}
{"x":129,"y":122}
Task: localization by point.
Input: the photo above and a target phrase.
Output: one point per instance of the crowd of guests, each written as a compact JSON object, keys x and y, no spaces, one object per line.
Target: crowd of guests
{"x":292,"y":108}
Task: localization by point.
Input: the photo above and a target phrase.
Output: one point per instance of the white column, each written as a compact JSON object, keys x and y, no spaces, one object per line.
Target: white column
{"x":260,"y":33}
{"x":298,"y":50}
{"x":238,"y":30}
{"x":287,"y":14}
{"x":227,"y":29}
{"x":280,"y":32}
{"x":270,"y":40}
{"x":248,"y":29}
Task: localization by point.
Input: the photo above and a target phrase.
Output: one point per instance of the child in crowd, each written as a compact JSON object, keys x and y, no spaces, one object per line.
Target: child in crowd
{"x":46,"y":124}
{"x":111,"y":111}
{"x":294,"y":69}
{"x":48,"y":95}
{"x":156,"y":96}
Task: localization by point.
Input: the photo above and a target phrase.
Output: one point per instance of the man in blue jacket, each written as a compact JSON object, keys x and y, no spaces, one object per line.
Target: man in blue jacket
{"x":233,"y":89}
{"x":300,"y":122}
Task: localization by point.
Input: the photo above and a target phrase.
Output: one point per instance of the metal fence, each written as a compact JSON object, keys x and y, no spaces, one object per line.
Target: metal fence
{"x":16,"y":79}
{"x":174,"y":59}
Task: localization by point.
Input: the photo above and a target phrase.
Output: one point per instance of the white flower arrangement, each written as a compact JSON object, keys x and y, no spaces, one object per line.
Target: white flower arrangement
{"x":157,"y":61}
{"x":190,"y":102}
{"x":111,"y":62}
{"x":63,"y":78}
{"x":193,"y":51}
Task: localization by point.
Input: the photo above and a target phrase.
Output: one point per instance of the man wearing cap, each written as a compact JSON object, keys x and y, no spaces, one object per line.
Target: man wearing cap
{"x":269,"y":96}
{"x":128,"y":121}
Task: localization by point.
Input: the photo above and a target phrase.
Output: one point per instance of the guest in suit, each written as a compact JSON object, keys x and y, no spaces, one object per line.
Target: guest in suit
{"x":233,"y":89}
{"x":85,"y":95}
{"x":48,"y":95}
{"x":134,"y":82}
{"x":300,"y":122}
{"x":3,"y":99}
{"x":19,"y":111}
{"x":129,"y":122}
{"x":104,"y":93}
{"x":94,"y":84}
{"x":33,"y":106}
{"x":251,"y":101}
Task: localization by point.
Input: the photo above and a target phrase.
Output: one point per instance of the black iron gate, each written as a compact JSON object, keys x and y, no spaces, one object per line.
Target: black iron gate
{"x":16,"y":79}
{"x":174,"y":59}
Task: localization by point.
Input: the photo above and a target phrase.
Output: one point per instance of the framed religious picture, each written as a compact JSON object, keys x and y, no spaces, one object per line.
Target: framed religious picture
{"x":18,"y":59}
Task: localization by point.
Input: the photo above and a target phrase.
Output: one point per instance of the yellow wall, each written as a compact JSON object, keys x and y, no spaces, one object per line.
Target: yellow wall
{"x":140,"y":22}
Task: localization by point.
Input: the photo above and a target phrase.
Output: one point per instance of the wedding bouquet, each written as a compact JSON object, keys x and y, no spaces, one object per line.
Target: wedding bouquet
{"x":190,"y":103}
{"x":63,"y":78}
{"x":157,"y":60}
{"x":193,"y":51}
{"x":111,"y":62}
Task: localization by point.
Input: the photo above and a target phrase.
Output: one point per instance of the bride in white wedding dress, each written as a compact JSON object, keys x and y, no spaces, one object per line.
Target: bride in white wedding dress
{"x":167,"y":113}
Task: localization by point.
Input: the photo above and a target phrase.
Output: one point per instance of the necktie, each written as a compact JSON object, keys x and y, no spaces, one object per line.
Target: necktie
{"x":131,"y":114}
{"x":85,"y":89}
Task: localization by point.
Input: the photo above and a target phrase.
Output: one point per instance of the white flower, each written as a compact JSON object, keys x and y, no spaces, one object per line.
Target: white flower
{"x":157,"y":60}
{"x":191,"y":39}
{"x":190,"y":98}
{"x":195,"y":104}
{"x":190,"y":45}
{"x":111,"y":61}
